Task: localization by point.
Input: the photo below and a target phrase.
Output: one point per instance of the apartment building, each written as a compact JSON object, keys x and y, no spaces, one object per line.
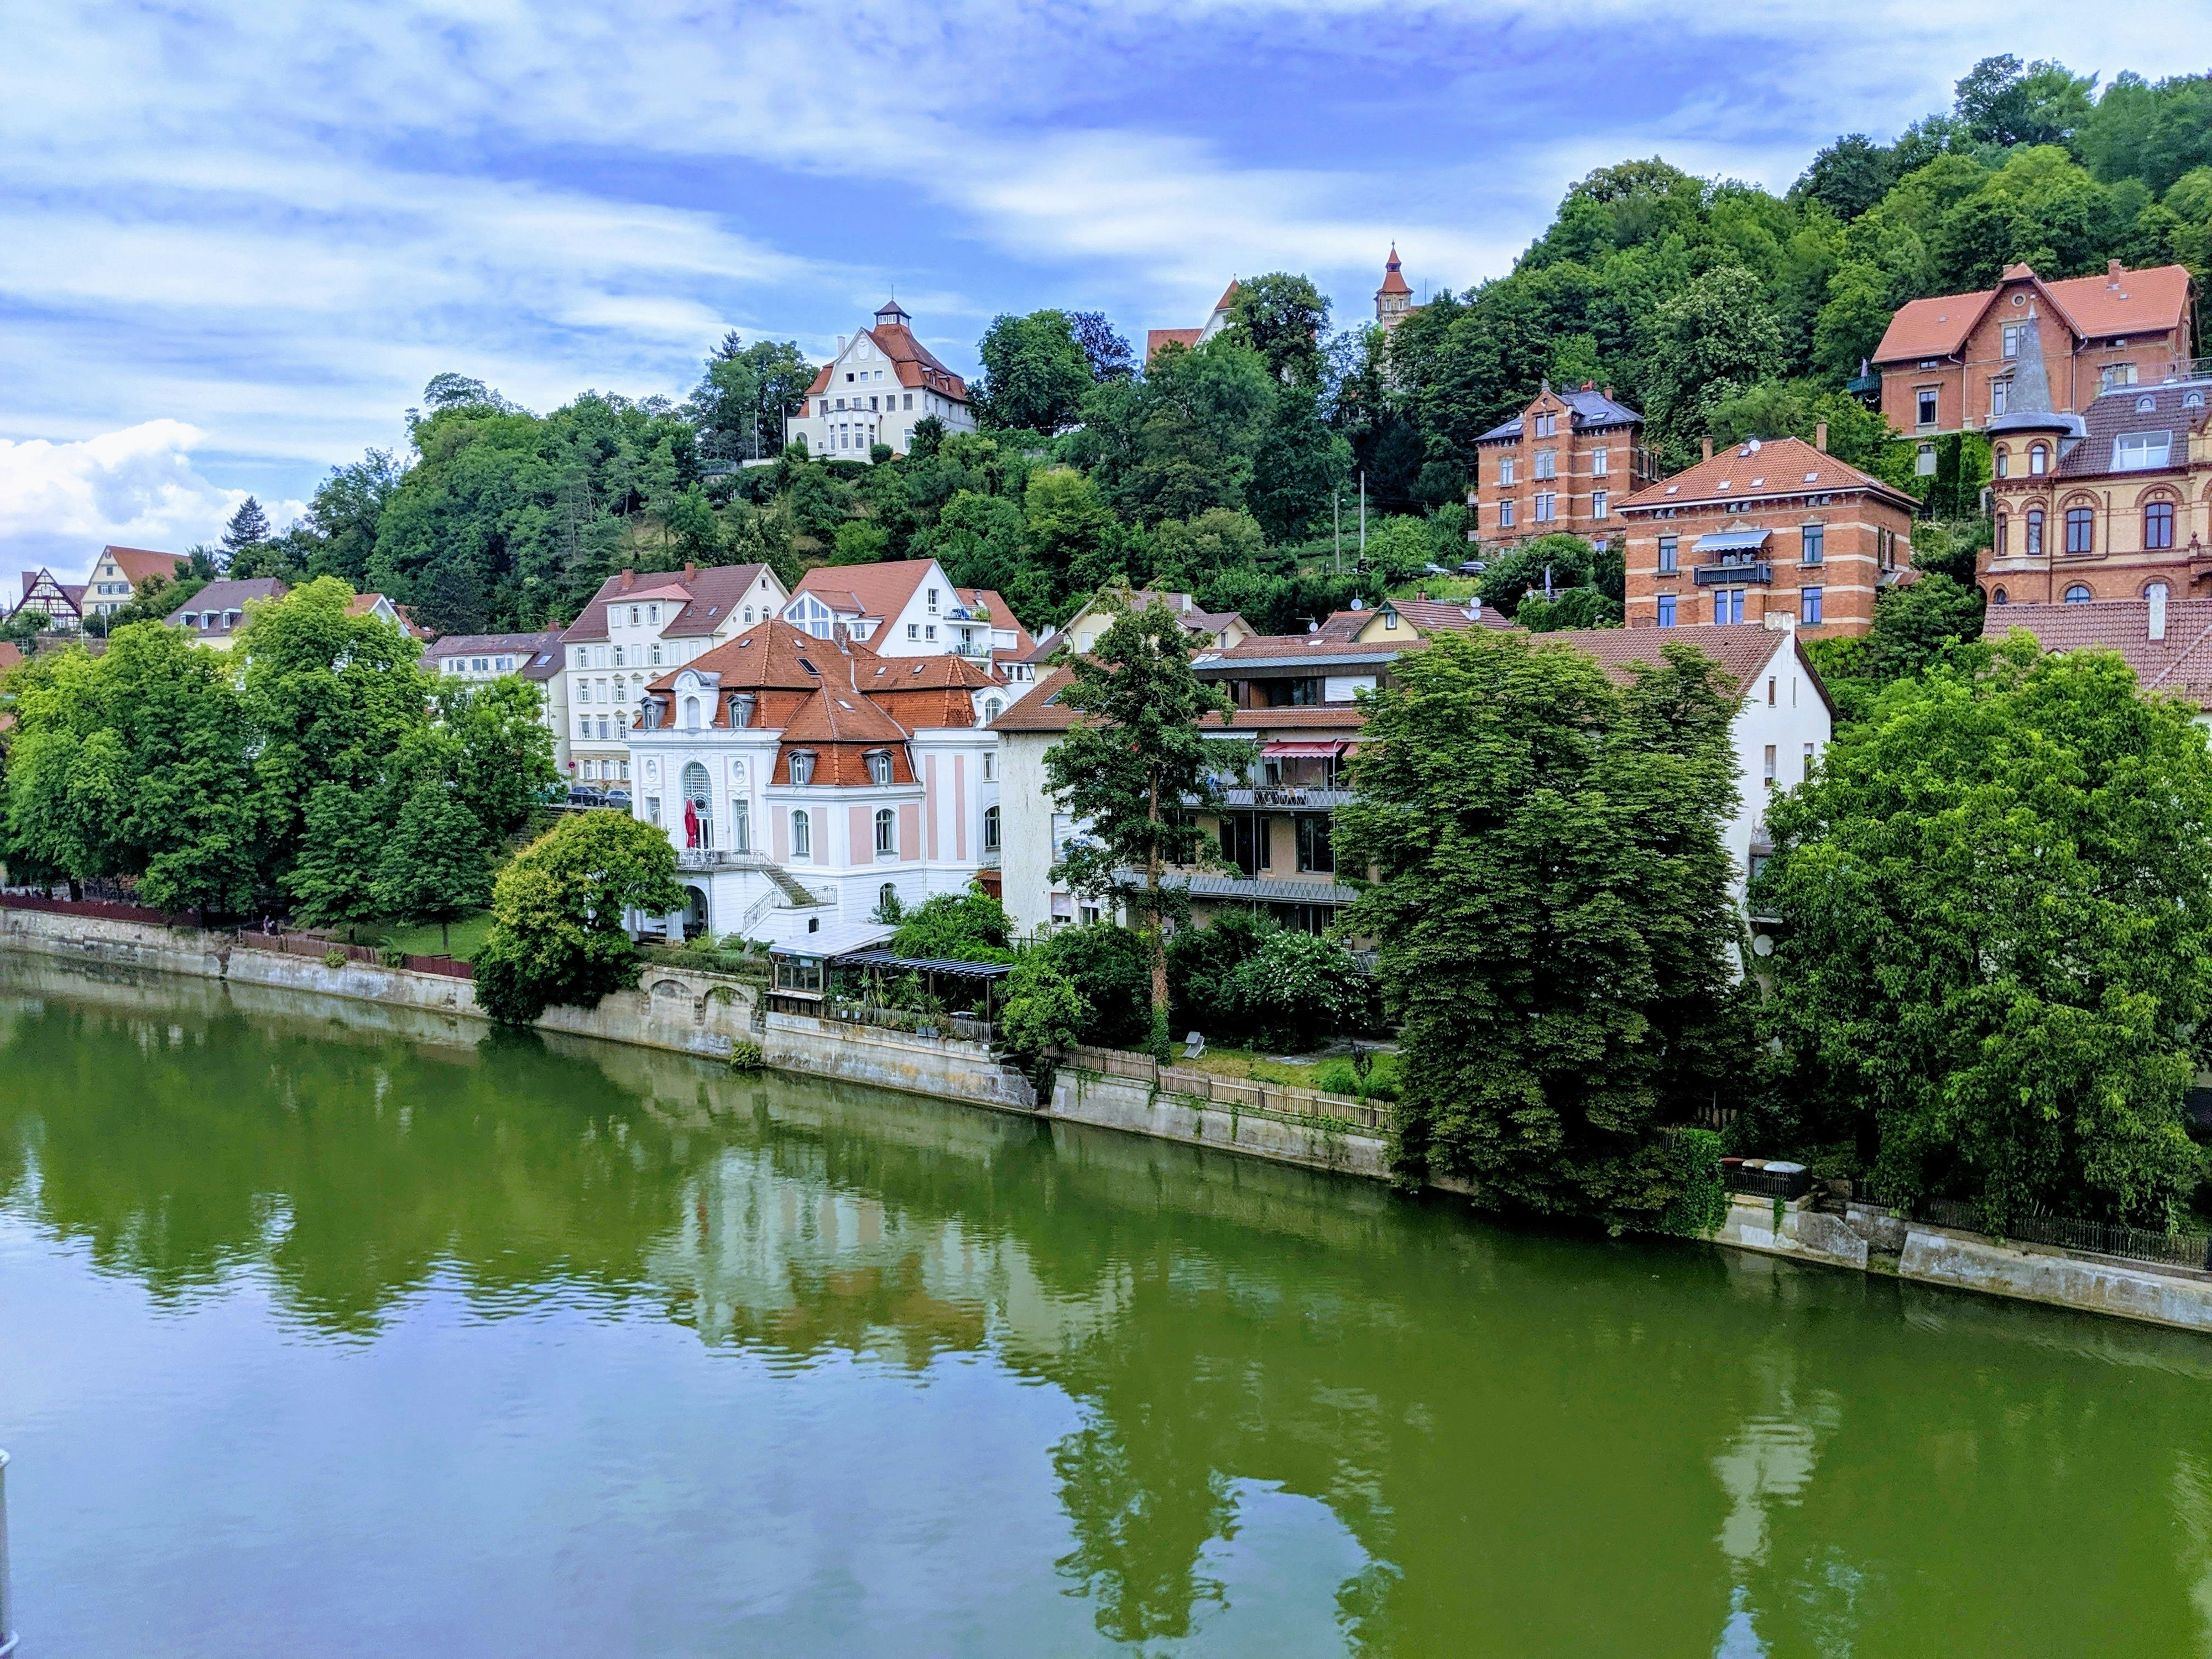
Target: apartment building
{"x":881,"y":384}
{"x":633,"y":630}
{"x":1950,"y":363}
{"x":1563,"y":466}
{"x":909,"y":608}
{"x":1778,"y":534}
{"x":481,"y":658}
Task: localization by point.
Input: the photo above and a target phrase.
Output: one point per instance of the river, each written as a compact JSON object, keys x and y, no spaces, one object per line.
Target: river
{"x":328,"y":1329}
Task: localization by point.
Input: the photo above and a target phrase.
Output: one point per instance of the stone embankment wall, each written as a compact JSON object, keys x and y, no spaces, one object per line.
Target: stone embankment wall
{"x":705,"y":1015}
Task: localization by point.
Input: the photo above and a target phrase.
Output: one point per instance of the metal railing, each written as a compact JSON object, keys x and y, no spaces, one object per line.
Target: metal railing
{"x":2113,"y":1239}
{"x":1767,"y":1183}
{"x":1737,"y":570}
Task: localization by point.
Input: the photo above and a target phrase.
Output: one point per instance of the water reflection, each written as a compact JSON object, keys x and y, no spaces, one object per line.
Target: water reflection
{"x":1300,"y":1415}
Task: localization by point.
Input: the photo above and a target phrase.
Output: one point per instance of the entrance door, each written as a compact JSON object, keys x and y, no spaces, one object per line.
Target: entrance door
{"x":695,"y":913}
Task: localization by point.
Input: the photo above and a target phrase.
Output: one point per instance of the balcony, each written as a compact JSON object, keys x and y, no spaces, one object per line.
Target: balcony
{"x":1728,"y":572}
{"x":1291,"y":796}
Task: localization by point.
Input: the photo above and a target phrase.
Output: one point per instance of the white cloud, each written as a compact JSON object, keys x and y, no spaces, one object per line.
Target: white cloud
{"x":61,"y":502}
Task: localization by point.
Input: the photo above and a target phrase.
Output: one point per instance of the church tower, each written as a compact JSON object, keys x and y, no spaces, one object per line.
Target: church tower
{"x":1393,"y":300}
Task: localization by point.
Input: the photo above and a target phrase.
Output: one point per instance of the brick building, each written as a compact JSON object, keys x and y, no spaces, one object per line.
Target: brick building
{"x":1781,"y":530}
{"x":1949,"y":364}
{"x":2114,"y":503}
{"x":1563,"y":466}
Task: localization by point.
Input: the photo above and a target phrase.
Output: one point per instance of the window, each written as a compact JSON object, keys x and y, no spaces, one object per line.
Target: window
{"x":1547,"y":463}
{"x":2039,"y":460}
{"x":741,"y":824}
{"x":1808,"y":772}
{"x":1597,"y":503}
{"x":505,"y":665}
{"x":1316,"y":850}
{"x":932,"y":601}
{"x":2192,"y":400}
{"x":1546,"y":502}
{"x":656,"y":656}
{"x":653,"y":615}
{"x":2035,"y":530}
{"x":1815,"y":537}
{"x":879,"y":767}
{"x":1809,"y":606}
{"x":618,"y":656}
{"x":913,"y":630}
{"x":1924,"y":463}
{"x":2003,"y":539}
{"x":2077,"y":594}
{"x":1766,"y":767}
{"x":1669,"y":555}
{"x":2138,"y":452}
{"x":1506,"y":468}
{"x":1728,"y":604}
{"x":1924,"y":402}
{"x":2012,"y":333}
{"x":1769,"y":690}
{"x":2146,"y":405}
{"x":2081,"y":530}
{"x":1598,"y":462}
{"x":909,"y":402}
{"x":2119,"y":375}
{"x":1505,"y":515}
{"x":2001,"y":597}
{"x":990,"y":766}
{"x":802,"y":766}
{"x":802,"y":836}
{"x":2158,"y":525}
{"x":886,"y":832}
{"x":633,"y":616}
{"x":1666,"y":611}
{"x":2003,"y":462}
{"x":990,"y":828}
{"x":929,"y":630}
{"x":2000,"y":392}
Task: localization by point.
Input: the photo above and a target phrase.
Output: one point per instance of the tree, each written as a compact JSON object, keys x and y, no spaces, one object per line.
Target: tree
{"x":1849,"y":176}
{"x":1556,"y":562}
{"x":333,"y":880}
{"x":1574,"y":607}
{"x":1043,"y":1011}
{"x":344,"y":513}
{"x":1107,"y":350}
{"x":434,"y":865}
{"x":1553,"y":908}
{"x":1137,"y":772}
{"x":1713,"y":339}
{"x":1034,"y":373}
{"x":248,"y":527}
{"x":1995,"y":966}
{"x":740,"y":402}
{"x":2001,"y":103}
{"x":1283,"y":319}
{"x":498,"y":754}
{"x":557,"y":912}
{"x":1299,"y":990}
{"x":970,"y":926}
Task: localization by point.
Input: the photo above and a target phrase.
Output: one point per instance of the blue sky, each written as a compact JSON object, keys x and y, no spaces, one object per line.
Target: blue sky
{"x":236,"y":240}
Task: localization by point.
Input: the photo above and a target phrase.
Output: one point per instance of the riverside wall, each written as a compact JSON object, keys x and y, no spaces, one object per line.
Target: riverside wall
{"x":705,"y":1015}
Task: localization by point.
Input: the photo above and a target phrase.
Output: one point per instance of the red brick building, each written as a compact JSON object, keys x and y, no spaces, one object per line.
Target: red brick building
{"x":1563,"y":466}
{"x":1781,"y":530}
{"x":1949,"y":364}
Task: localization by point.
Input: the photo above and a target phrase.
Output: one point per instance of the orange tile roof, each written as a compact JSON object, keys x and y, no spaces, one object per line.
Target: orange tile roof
{"x":137,"y":563}
{"x":1779,"y":466}
{"x":1156,"y":338}
{"x":707,"y":596}
{"x":2150,"y":300}
{"x":876,"y":591}
{"x":1394,"y":279}
{"x":2180,"y":663}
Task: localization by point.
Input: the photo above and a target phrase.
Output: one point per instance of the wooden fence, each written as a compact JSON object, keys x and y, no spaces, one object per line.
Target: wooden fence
{"x":1244,"y":1094}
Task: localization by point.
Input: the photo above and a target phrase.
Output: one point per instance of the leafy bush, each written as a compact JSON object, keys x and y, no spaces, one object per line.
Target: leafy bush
{"x":392,"y":957}
{"x":1299,"y":988}
{"x":1342,"y":1077}
{"x":746,"y":1056}
{"x":1201,"y":963}
{"x":556,"y":934}
{"x":1108,"y":967}
{"x":334,"y":958}
{"x":1044,"y":1010}
{"x":1702,"y":1204}
{"x":972,"y":927}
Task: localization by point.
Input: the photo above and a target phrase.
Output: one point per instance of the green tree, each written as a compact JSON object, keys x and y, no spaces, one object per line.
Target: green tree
{"x":434,"y":865}
{"x":556,"y":935}
{"x":1297,"y":990}
{"x":970,"y":926}
{"x":1567,"y":560}
{"x":344,"y":515}
{"x":1552,"y":901}
{"x":1282,"y":318}
{"x":499,"y":752}
{"x":1136,"y":772}
{"x":333,"y":880}
{"x":740,"y":402}
{"x":1995,"y":966}
{"x":1036,"y":374}
{"x":1712,"y":340}
{"x":249,"y":526}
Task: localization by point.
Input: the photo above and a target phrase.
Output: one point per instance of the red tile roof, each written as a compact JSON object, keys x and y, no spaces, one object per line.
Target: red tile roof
{"x":1779,"y":466}
{"x":1394,"y":279}
{"x":1156,"y":338}
{"x":916,"y":364}
{"x":2150,"y":300}
{"x":137,"y":563}
{"x":707,"y":596}
{"x":2180,"y":663}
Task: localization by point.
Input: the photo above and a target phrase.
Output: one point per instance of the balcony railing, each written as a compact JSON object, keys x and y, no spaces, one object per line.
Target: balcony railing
{"x":1312,"y":799}
{"x":1726,"y":573}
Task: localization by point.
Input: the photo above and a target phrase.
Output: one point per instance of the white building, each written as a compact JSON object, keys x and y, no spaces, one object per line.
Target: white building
{"x":479,"y":659}
{"x":909,"y":608}
{"x":635,"y":629}
{"x":803,"y":780}
{"x":118,"y":571}
{"x":882,"y":383}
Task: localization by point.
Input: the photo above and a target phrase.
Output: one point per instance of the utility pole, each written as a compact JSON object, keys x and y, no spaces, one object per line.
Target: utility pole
{"x":1362,"y":518}
{"x":1336,"y":512}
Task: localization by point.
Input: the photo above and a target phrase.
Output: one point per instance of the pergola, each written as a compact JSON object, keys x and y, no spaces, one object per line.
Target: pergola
{"x":932,"y":969}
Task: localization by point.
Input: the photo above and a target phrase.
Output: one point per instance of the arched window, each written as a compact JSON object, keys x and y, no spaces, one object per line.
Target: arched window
{"x":2001,"y":597}
{"x":886,"y":832}
{"x":879,"y":767}
{"x":2035,"y":530}
{"x":2003,"y":535}
{"x":2077,"y":594}
{"x":2003,"y":461}
{"x":701,"y":798}
{"x":802,"y":836}
{"x":990,"y":828}
{"x":2039,"y":459}
{"x":2081,"y":530}
{"x":887,"y":901}
{"x":993,"y":709}
{"x":2158,"y":524}
{"x":802,"y":766}
{"x":2156,"y":591}
{"x":691,"y":714}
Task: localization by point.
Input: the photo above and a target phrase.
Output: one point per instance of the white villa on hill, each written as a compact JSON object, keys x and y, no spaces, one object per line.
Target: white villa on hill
{"x":882,"y":383}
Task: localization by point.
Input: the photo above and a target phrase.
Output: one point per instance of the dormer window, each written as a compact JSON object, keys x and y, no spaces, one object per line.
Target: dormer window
{"x":802,"y":766}
{"x":879,"y":767}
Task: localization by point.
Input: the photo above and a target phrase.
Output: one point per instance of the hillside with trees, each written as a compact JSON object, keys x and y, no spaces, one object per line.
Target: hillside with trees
{"x":1714,"y":306}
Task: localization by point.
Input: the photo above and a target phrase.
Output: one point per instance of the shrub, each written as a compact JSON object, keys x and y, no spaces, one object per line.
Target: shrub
{"x":1202,"y":962}
{"x":746,"y":1056}
{"x":1299,"y":989}
{"x":1108,"y":966}
{"x":556,"y":934}
{"x":335,"y":957}
{"x":391,"y":955}
{"x":1702,"y":1204}
{"x":1044,"y":1010}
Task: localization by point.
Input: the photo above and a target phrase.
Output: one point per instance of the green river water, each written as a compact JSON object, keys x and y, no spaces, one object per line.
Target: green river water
{"x":324,"y":1332}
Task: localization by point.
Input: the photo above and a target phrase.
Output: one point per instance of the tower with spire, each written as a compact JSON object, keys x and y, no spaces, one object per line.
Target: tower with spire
{"x":1393,"y":300}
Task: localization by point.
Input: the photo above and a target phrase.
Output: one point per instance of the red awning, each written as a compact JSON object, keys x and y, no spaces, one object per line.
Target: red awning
{"x":1302,"y":751}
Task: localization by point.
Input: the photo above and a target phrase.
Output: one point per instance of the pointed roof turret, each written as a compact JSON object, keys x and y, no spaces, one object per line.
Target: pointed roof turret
{"x":892,"y":312}
{"x":1393,"y":277}
{"x":2027,"y":402}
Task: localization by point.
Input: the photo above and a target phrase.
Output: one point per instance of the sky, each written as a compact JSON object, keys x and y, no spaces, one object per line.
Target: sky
{"x":236,"y":240}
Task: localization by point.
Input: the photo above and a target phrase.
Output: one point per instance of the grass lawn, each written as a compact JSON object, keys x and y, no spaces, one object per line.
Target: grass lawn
{"x":468,"y":935}
{"x":1290,"y":1071}
{"x":1453,"y":590}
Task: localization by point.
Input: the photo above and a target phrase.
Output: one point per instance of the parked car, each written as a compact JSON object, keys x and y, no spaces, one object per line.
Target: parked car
{"x":580,"y":796}
{"x":618,"y":798}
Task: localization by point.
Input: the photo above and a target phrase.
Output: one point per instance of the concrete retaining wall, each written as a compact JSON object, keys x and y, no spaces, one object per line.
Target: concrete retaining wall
{"x":1122,"y":1103}
{"x":1792,"y":1228}
{"x":1966,"y":1262}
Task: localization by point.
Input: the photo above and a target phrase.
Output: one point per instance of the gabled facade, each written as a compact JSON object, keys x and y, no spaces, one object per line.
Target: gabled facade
{"x":480,"y":658}
{"x":909,"y":608}
{"x":882,"y":383}
{"x":1222,"y":627}
{"x":1216,"y":320}
{"x":62,"y":604}
{"x":803,"y":780}
{"x":1563,"y":466}
{"x":634,"y":629}
{"x":1949,"y":364}
{"x":1780,"y":534}
{"x":118,"y":571}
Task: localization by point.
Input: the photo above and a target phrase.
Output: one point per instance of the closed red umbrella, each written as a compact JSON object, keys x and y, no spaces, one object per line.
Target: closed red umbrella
{"x":691,"y":823}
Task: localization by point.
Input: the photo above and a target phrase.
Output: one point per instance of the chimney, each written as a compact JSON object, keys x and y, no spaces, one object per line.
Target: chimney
{"x":1820,"y":436}
{"x":1608,"y":392}
{"x":2157,"y":613}
{"x":629,"y":581}
{"x":2112,"y":273}
{"x":1709,"y":449}
{"x":691,"y":571}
